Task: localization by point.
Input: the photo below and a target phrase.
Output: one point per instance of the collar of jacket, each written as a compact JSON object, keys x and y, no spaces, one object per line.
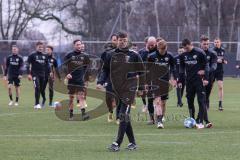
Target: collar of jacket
{"x":77,"y":52}
{"x":39,"y":52}
{"x":124,"y":50}
{"x":158,"y":53}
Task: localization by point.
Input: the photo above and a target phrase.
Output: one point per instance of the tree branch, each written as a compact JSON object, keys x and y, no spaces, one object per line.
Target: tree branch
{"x":1,"y":20}
{"x":57,"y":19}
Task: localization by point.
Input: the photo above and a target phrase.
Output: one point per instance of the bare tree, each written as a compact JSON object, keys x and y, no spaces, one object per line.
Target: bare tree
{"x":95,"y":20}
{"x":157,"y":16}
{"x":233,"y":22}
{"x":85,"y":18}
{"x":219,"y":2}
{"x":13,"y":21}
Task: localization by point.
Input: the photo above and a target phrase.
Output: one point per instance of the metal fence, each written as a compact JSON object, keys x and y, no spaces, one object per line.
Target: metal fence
{"x":173,"y":34}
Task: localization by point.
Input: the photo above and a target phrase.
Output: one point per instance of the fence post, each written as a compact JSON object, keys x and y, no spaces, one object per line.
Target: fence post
{"x":238,"y":34}
{"x":208,"y":32}
{"x":238,"y":46}
{"x":149,"y":30}
{"x":178,"y":36}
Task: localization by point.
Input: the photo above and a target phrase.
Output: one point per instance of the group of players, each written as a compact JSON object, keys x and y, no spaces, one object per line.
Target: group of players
{"x":214,"y":59}
{"x":42,"y":67}
{"x":186,"y":64}
{"x":39,"y":71}
{"x":193,"y":67}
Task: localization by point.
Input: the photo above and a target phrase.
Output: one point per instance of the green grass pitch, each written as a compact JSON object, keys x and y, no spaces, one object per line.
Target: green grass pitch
{"x":26,"y":134}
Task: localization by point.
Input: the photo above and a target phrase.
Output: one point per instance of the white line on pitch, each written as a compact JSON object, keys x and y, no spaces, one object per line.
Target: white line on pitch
{"x":110,"y":135}
{"x":166,"y":142}
{"x":66,"y":140}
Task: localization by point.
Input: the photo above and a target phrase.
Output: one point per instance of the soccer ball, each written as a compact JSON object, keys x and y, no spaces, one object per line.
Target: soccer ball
{"x":189,"y":122}
{"x":57,"y":105}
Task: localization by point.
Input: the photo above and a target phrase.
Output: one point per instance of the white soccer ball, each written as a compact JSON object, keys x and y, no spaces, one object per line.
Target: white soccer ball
{"x":189,"y":122}
{"x":57,"y":104}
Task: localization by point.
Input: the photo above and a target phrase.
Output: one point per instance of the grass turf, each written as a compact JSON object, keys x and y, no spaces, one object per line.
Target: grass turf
{"x":26,"y":134}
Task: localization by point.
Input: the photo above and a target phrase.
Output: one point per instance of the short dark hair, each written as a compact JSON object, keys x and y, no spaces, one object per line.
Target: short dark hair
{"x":204,"y":38}
{"x":39,"y":43}
{"x":159,"y":39}
{"x":76,"y":40}
{"x":114,"y":35}
{"x":162,"y":43}
{"x":134,"y":45}
{"x":217,"y":38}
{"x":186,"y":42}
{"x":181,"y":47}
{"x":49,"y":46}
{"x":122,"y":34}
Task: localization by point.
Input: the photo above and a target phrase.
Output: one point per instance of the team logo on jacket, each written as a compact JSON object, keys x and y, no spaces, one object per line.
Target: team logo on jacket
{"x":195,"y":57}
{"x":156,"y":59}
{"x":166,"y":58}
{"x":43,"y":57}
{"x":73,"y":57}
{"x":17,"y":59}
{"x":208,"y":57}
{"x":52,"y":60}
{"x":222,"y":53}
{"x":178,"y":61}
{"x":82,"y":58}
{"x":127,"y":58}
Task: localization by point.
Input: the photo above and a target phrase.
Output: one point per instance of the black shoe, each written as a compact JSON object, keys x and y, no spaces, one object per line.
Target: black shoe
{"x":179,"y":104}
{"x":131,"y":147}
{"x":114,"y":147}
{"x":85,"y":116}
{"x":43,"y":103}
{"x":70,"y":116}
{"x":151,"y":120}
{"x":50,"y":104}
{"x":209,"y":125}
{"x":220,"y":108}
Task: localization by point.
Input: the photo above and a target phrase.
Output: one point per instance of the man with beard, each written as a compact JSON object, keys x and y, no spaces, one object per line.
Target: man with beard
{"x":150,"y":47}
{"x":110,"y":101}
{"x":76,"y":63}
{"x":37,"y":66}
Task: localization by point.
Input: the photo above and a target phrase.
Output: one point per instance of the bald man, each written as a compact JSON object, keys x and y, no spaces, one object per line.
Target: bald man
{"x":150,"y":47}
